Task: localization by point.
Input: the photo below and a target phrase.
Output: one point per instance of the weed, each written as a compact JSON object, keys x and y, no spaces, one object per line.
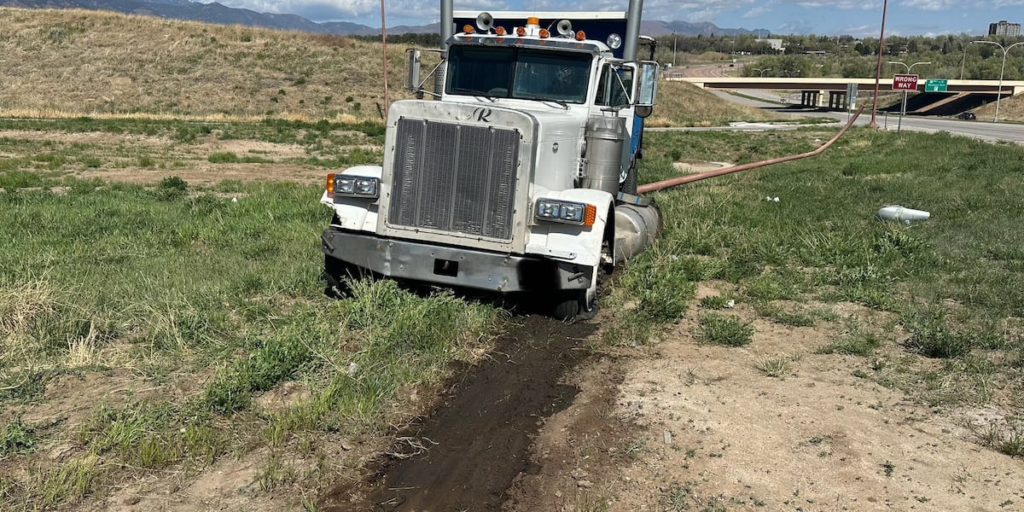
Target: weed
{"x":725,"y":330}
{"x":678,"y":497}
{"x":635,"y":449}
{"x":223,"y":158}
{"x":931,"y":337}
{"x":16,"y":438}
{"x":793,"y":319}
{"x":68,"y":481}
{"x":173,"y":186}
{"x":1008,"y":440}
{"x":776,"y":366}
{"x":232,"y":158}
{"x":855,"y":344}
{"x":715,"y":302}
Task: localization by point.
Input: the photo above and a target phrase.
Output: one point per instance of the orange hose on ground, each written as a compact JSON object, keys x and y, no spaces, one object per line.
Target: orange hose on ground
{"x":675,"y":182}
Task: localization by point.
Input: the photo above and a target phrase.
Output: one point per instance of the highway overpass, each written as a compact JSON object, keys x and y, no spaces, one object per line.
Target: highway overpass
{"x":816,"y":90}
{"x":840,"y":84}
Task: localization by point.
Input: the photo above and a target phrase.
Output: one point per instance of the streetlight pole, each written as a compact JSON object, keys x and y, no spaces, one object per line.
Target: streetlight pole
{"x":963,"y":63}
{"x":903,"y":112}
{"x":1005,"y":49}
{"x":878,"y":70}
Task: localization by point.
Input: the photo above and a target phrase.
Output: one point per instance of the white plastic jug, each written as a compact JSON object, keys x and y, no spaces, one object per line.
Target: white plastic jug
{"x":900,"y":213}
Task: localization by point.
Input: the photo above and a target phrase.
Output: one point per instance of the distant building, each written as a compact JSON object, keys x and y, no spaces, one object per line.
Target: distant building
{"x":775,"y":44}
{"x":1004,"y":28}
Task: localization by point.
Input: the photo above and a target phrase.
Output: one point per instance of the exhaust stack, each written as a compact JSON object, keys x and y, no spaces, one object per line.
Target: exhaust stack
{"x":633,"y":18}
{"x":447,"y":31}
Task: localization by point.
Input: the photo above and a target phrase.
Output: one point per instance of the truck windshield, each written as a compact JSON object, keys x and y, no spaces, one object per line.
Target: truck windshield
{"x":518,"y":73}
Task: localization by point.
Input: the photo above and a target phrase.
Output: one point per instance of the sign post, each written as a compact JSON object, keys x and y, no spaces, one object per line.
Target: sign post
{"x":905,"y":83}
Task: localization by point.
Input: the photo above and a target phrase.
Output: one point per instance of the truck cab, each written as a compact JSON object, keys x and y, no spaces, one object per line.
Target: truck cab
{"x":518,"y":176}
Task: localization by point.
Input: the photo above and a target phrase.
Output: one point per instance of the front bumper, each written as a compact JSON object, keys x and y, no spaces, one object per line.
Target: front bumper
{"x":454,"y":266}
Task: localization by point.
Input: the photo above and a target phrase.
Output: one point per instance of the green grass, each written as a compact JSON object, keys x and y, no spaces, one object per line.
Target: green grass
{"x":175,"y":284}
{"x":16,"y":438}
{"x":715,"y":302}
{"x":854,"y":344}
{"x":271,"y":130}
{"x":729,"y":331}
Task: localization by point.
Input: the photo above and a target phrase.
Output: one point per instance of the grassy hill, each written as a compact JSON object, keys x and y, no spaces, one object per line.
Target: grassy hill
{"x":59,"y":63}
{"x":684,"y":104}
{"x":83,"y":62}
{"x":1011,"y":109}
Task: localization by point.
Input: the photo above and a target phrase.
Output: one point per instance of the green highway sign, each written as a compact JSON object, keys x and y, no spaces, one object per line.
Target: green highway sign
{"x":936,"y":86}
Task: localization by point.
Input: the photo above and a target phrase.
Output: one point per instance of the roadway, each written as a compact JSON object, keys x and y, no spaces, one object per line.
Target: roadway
{"x":991,"y":132}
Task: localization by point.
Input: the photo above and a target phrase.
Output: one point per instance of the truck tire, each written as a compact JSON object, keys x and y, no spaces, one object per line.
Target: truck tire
{"x":578,"y":305}
{"x":632,"y":180}
{"x":337,"y":277}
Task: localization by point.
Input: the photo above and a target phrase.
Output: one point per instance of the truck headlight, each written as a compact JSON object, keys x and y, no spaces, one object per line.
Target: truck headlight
{"x":356,"y":186}
{"x":566,"y":212}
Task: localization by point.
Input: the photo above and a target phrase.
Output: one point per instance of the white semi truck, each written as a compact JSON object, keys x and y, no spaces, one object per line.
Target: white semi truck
{"x":519,"y":175}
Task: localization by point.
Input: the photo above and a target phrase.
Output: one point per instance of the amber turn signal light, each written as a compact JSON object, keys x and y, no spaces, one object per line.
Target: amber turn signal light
{"x":330,"y":185}
{"x":590,"y":216}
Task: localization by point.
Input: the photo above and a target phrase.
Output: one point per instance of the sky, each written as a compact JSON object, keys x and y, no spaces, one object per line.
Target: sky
{"x":829,"y":17}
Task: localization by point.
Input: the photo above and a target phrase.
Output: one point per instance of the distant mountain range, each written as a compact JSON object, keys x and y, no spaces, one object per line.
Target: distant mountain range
{"x":221,"y":14}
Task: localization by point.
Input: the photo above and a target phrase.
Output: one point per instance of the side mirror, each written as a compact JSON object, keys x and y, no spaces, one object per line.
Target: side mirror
{"x":647,"y":94}
{"x":413,"y":83}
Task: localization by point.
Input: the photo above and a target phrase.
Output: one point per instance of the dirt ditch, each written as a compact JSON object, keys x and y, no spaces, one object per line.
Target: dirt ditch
{"x":477,"y":443}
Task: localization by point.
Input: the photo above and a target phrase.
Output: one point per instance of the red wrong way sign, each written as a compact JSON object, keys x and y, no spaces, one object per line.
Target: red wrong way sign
{"x":904,"y":83}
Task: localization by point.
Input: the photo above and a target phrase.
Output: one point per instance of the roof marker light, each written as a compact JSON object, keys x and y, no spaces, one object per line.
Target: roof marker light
{"x":468,"y":29}
{"x":544,"y":33}
{"x":521,"y":31}
{"x":581,"y":36}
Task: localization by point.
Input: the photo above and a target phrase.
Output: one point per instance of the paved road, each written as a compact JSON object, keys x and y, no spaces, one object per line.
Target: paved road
{"x":991,"y":132}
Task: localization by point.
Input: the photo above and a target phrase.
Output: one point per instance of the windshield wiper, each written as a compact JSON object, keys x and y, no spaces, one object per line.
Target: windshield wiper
{"x":560,"y":103}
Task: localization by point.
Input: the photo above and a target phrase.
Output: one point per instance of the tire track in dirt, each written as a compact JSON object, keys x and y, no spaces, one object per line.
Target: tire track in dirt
{"x":468,"y":453}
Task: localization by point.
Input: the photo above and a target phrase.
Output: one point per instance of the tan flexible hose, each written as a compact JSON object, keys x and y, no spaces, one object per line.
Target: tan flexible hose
{"x":675,"y":182}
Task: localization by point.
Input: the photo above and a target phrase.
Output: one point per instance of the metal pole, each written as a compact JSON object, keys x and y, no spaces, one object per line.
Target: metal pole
{"x":899,"y":127}
{"x":999,"y":96}
{"x":447,"y":29}
{"x":384,"y":43}
{"x":1002,"y":70}
{"x":878,"y":70}
{"x":633,"y":18}
{"x":675,"y":45}
{"x":963,"y":63}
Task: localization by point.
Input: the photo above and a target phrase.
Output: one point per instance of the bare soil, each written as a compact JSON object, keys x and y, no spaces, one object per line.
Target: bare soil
{"x":477,"y":442}
{"x":710,"y":431}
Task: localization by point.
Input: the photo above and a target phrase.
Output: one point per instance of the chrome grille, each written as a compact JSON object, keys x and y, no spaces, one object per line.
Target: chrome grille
{"x":454,"y":178}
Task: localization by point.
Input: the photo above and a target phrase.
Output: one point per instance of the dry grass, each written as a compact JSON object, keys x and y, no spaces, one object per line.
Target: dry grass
{"x":1011,"y":109}
{"x":73,"y":63}
{"x":683,"y":104}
